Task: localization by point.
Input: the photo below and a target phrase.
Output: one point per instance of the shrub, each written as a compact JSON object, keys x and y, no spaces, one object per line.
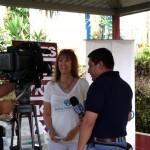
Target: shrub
{"x":142,"y":90}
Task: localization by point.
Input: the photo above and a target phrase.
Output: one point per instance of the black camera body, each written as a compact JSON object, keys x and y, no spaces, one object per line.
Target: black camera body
{"x":24,"y":63}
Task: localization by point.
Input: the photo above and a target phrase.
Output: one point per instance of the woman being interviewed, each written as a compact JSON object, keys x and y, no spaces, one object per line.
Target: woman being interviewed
{"x":62,"y":123}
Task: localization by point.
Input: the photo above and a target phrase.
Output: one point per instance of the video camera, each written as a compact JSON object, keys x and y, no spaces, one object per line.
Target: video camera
{"x":24,"y":63}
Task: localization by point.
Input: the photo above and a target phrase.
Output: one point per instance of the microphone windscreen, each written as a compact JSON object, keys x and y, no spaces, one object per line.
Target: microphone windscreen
{"x":74,"y":101}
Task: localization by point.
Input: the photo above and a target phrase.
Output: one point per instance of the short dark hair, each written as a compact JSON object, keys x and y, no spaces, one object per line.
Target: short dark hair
{"x":104,"y":55}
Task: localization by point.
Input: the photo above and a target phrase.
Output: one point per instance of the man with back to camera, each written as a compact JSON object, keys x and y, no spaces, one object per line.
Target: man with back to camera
{"x":4,"y":90}
{"x":108,"y":105}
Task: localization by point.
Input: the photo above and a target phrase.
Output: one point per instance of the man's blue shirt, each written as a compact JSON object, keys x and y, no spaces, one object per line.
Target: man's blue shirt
{"x":110,"y":97}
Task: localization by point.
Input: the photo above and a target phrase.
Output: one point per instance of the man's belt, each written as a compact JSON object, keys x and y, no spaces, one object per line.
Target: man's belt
{"x":108,"y":140}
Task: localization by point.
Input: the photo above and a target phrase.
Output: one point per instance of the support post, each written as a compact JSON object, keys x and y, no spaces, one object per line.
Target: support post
{"x":116,"y":27}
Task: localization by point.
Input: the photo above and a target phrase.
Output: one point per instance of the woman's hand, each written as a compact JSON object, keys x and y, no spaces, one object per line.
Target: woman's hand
{"x":71,"y":134}
{"x":54,"y":136}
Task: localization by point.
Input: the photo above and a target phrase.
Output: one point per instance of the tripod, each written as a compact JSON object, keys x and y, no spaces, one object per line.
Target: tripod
{"x":29,"y":110}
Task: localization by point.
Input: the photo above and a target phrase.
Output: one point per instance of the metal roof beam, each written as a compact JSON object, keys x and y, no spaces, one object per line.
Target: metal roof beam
{"x":134,"y":9}
{"x":57,"y":7}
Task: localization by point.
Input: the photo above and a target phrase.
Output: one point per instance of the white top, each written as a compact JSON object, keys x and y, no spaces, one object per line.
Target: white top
{"x":63,"y":116}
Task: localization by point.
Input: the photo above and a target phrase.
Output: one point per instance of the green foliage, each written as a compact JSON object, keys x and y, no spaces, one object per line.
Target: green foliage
{"x":82,"y":71}
{"x":106,"y":27}
{"x":105,"y":23}
{"x":15,"y":27}
{"x":51,"y":13}
{"x":17,"y":23}
{"x":142,"y":90}
{"x":142,"y":62}
{"x":18,"y":26}
{"x":22,"y":12}
{"x":40,"y":37}
{"x":4,"y":39}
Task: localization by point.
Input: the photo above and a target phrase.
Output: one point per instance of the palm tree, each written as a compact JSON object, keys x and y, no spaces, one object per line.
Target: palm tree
{"x":17,"y":23}
{"x":15,"y":27}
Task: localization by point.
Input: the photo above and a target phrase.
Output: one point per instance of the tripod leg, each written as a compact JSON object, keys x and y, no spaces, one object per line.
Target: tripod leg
{"x":37,"y":128}
{"x":12,"y":131}
{"x":1,"y":139}
{"x":31,"y":128}
{"x":13,"y":124}
{"x":19,"y":131}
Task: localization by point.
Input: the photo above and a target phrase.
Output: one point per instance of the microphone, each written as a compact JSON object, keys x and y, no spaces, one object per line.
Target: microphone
{"x":78,"y":108}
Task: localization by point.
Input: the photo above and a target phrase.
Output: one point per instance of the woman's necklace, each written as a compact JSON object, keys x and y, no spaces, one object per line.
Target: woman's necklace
{"x":64,"y":88}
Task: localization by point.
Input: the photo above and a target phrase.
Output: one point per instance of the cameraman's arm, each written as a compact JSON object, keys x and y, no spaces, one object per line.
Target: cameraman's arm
{"x":6,"y":88}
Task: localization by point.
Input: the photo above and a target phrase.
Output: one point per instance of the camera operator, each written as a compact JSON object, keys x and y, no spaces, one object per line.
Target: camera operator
{"x":5,"y":105}
{"x":6,"y":88}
